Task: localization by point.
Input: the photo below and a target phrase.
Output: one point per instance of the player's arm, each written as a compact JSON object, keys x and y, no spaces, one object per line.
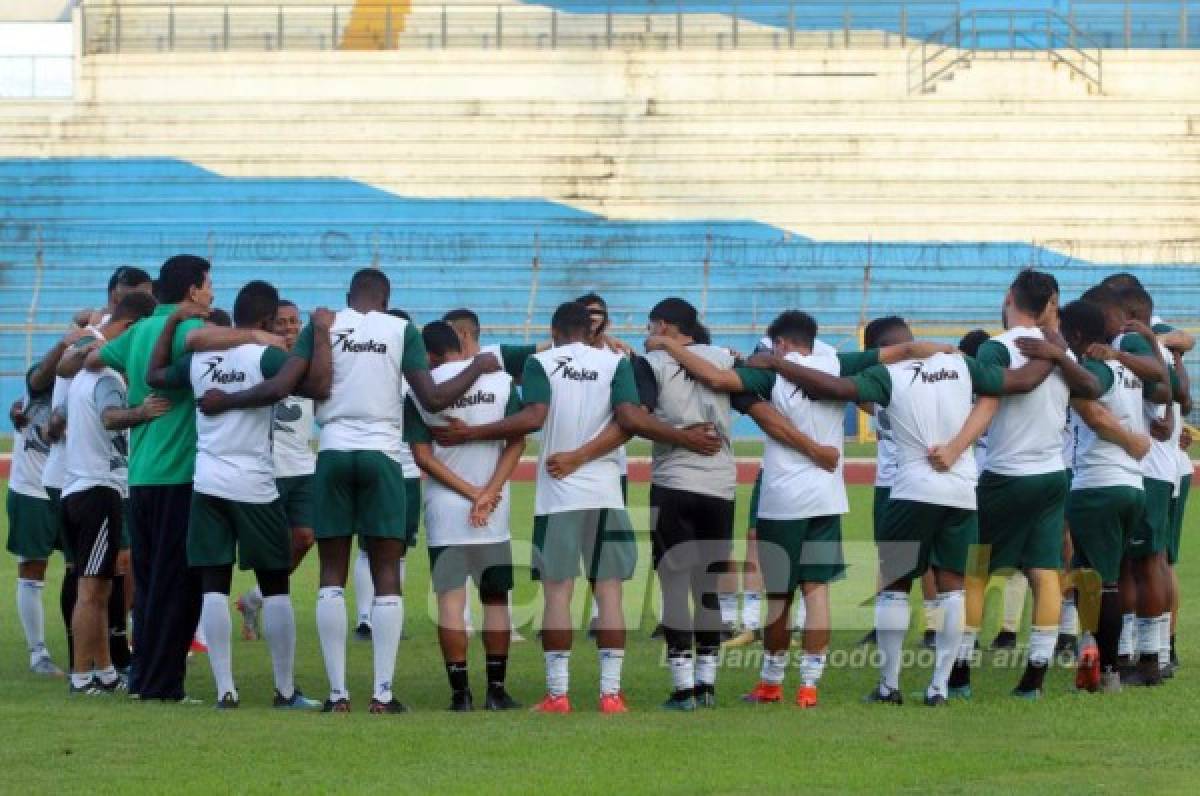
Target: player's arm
{"x":16,"y":415}
{"x":218,"y":338}
{"x":316,"y":347}
{"x":437,"y":470}
{"x":563,"y":463}
{"x":109,"y":397}
{"x":489,"y":496}
{"x":531,"y":418}
{"x":914,"y":349}
{"x":1177,"y":340}
{"x":818,"y":384}
{"x":160,"y":355}
{"x":56,"y":426}
{"x":436,"y":397}
{"x":41,"y":377}
{"x":699,"y":368}
{"x":287,"y":372}
{"x":73,"y":359}
{"x":1139,"y":352}
{"x":633,"y":418}
{"x":777,"y":427}
{"x":944,"y":457}
{"x":1109,"y":429}
{"x":1081,"y":382}
{"x":1182,"y":386}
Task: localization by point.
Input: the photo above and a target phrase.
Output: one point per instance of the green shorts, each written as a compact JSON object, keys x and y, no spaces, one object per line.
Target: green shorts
{"x":1021,"y":520}
{"x":34,"y":527}
{"x":1102,"y":521}
{"x":222,"y":531}
{"x":791,"y":552}
{"x":360,"y":492}
{"x":296,"y":497}
{"x":1178,"y":509}
{"x":601,"y":538}
{"x":752,"y":517}
{"x":412,"y":510}
{"x":882,"y":495}
{"x":915,"y":536}
{"x":1154,"y":532}
{"x":489,"y":565}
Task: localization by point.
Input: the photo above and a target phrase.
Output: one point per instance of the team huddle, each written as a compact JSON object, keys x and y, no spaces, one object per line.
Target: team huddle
{"x":161,"y":442}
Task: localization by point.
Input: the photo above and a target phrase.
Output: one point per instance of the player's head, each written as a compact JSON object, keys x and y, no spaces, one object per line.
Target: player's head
{"x":792,"y":331}
{"x":185,"y":277}
{"x":1110,"y":304}
{"x":287,"y":322}
{"x":886,"y":331}
{"x":465,"y":323}
{"x":1121,"y":280}
{"x":673,"y":317}
{"x":701,"y":335}
{"x":132,"y":308}
{"x":370,"y":290}
{"x":1032,"y":294}
{"x":219,"y":317}
{"x":127,"y":279}
{"x":970,"y":342}
{"x":571,"y":323}
{"x":1083,"y":323}
{"x":1137,"y":303}
{"x":255,"y":306}
{"x":597,"y":309}
{"x":441,"y":343}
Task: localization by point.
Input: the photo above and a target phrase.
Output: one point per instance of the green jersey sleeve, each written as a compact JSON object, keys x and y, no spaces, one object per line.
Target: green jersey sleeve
{"x":415,"y":428}
{"x":1101,"y":371}
{"x":854,"y":362}
{"x":514,"y":402}
{"x":1136,"y":344}
{"x":535,"y":385}
{"x":115,"y":354}
{"x":179,"y":344}
{"x":874,"y":385}
{"x":179,"y":373}
{"x":414,"y":357}
{"x":993,"y":352}
{"x":985,"y":379}
{"x":759,"y":381}
{"x":513,"y":357}
{"x":304,"y":343}
{"x":624,"y":388}
{"x":1162,"y":328}
{"x":272,"y":361}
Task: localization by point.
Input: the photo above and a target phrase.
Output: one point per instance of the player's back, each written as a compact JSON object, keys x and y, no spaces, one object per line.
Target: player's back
{"x":1098,"y":462}
{"x":93,"y":455}
{"x":1025,"y":436}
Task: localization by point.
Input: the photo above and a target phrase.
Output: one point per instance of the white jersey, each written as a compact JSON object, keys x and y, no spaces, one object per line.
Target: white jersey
{"x":1186,"y":470}
{"x":885,"y":449}
{"x":1099,"y":463}
{"x":292,"y":430}
{"x":1068,"y":440}
{"x":30,"y":446}
{"x":980,"y":451}
{"x":233,"y":449}
{"x":1162,"y":463}
{"x":365,"y":409}
{"x":1024,"y":437}
{"x":579,"y":390}
{"x":55,"y":473}
{"x":95,"y":456}
{"x":793,"y":487}
{"x":447,"y":512}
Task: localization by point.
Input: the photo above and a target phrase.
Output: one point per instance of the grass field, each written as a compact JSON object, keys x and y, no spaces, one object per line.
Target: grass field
{"x":1132,"y":742}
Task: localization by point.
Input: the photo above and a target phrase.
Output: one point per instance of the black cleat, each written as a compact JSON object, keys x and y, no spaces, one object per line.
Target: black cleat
{"x":935,"y":700}
{"x":706,"y":696}
{"x":92,"y":688}
{"x":877,"y":697}
{"x":929,"y":640}
{"x":381,"y":708}
{"x":1064,"y":647}
{"x":117,"y":686}
{"x":1142,"y":674}
{"x":362,"y":632}
{"x":228,"y":702}
{"x":659,"y":631}
{"x":499,"y":699}
{"x":868,"y":639}
{"x":461,"y":702}
{"x":1005,"y":640}
{"x":336,"y":706}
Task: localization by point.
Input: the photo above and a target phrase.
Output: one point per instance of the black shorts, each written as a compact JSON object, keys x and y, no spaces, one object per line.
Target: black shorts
{"x":690,"y":529}
{"x":92,"y":522}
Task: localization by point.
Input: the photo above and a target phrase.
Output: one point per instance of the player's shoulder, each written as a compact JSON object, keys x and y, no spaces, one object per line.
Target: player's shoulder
{"x":448,"y":370}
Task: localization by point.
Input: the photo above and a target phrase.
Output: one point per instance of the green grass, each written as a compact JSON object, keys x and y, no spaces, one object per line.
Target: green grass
{"x":1139,"y":741}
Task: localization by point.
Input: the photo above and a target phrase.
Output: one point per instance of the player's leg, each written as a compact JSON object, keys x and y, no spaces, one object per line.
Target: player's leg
{"x":752,"y":585}
{"x":555,"y":562}
{"x":1069,"y":631}
{"x":1041,"y":557}
{"x":1148,"y":551}
{"x":31,"y":537}
{"x":412,"y":525}
{"x":780,"y":544}
{"x":673,"y":551}
{"x":364,"y":595}
{"x":211,"y":552}
{"x":387,"y":619}
{"x":712,"y":520}
{"x":335,"y":521}
{"x":67,"y":596}
{"x":610,"y":557}
{"x":492,"y":570}
{"x":955,"y":551}
{"x":94,"y":533}
{"x":929,"y":608}
{"x":448,"y":573}
{"x":118,"y":615}
{"x":821,"y":563}
{"x":1185,"y":484}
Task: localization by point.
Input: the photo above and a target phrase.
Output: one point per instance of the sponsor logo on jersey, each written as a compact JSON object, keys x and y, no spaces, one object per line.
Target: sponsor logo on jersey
{"x":931,"y":377}
{"x":474,"y":399}
{"x":564,"y":367}
{"x":216,"y":375}
{"x":343,"y":342}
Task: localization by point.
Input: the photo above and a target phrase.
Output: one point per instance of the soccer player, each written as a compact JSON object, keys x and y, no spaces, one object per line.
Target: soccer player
{"x":466,"y":516}
{"x":466,"y":324}
{"x":95,"y":483}
{"x":576,"y":391}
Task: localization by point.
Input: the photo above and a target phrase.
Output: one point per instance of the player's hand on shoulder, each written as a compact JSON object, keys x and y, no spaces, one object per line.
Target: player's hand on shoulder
{"x":74,"y":335}
{"x":617,"y":346}
{"x":488,"y":362}
{"x":16,"y":415}
{"x":1137,"y":327}
{"x":1100,"y":351}
{"x":763,"y":359}
{"x":1160,"y":429}
{"x":322,"y":318}
{"x":657,"y":343}
{"x":1036,"y":348}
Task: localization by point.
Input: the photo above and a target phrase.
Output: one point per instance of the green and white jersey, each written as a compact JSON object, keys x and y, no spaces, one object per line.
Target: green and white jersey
{"x":447,"y":514}
{"x":408,"y":465}
{"x":30,"y":445}
{"x":55,"y":473}
{"x":292,"y":428}
{"x":681,"y":401}
{"x":581,"y":386}
{"x":886,"y":462}
{"x":1162,"y":463}
{"x":511,"y":357}
{"x":928,"y":401}
{"x":94,"y":455}
{"x":365,"y":409}
{"x":1099,"y":463}
{"x":1025,"y":436}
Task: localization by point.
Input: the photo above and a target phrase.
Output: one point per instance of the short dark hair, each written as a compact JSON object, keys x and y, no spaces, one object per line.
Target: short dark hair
{"x":1136,"y":301}
{"x":370,"y":282}
{"x":701,"y":335}
{"x":440,"y":338}
{"x":571,"y":318}
{"x":970,"y":342}
{"x":464,"y":315}
{"x":1104,"y":296}
{"x":288,"y":303}
{"x":133,"y":307}
{"x":1121,"y":279}
{"x":1032,"y":290}
{"x":127,"y":276}
{"x":219,"y":317}
{"x":794,"y":326}
{"x":1084,"y":320}
{"x":178,"y":275}
{"x":256,"y":302}
{"x":678,"y":313}
{"x":398,"y":313}
{"x":878,"y":327}
{"x":593,"y":298}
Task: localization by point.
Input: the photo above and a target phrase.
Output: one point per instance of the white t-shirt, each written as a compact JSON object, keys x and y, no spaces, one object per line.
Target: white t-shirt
{"x":1099,"y":463}
{"x":293,"y":431}
{"x":1162,"y":463}
{"x":30,"y":446}
{"x":55,"y":473}
{"x":95,"y":456}
{"x":885,"y":449}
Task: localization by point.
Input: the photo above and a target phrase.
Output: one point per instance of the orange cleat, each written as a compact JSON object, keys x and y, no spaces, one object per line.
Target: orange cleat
{"x":613,"y":703}
{"x":764,"y":693}
{"x":553,"y":703}
{"x":1087,"y":669}
{"x":806,"y":696}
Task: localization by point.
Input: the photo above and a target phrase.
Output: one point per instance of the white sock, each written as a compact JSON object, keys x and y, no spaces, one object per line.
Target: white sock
{"x":1126,"y":643}
{"x":558,"y":673}
{"x":81,"y":679}
{"x":1014,"y":601}
{"x":33,"y":616}
{"x":364,"y":588}
{"x":811,"y":668}
{"x":108,"y":675}
{"x":683,"y":671}
{"x":279,"y":629}
{"x":1147,"y":636}
{"x":218,"y":634}
{"x":948,"y":639}
{"x":966,"y":647}
{"x":751,"y":610}
{"x":611,"y":661}
{"x":401,"y":571}
{"x":198,"y":635}
{"x":1068,"y":623}
{"x":932,"y":612}
{"x":1164,"y":640}
{"x":331,"y":630}
{"x":706,"y":670}
{"x":774,"y":667}
{"x":727,"y":601}
{"x":387,"y":622}
{"x":1041,"y":644}
{"x":891,"y":626}
{"x":253,"y":599}
{"x":799,"y":613}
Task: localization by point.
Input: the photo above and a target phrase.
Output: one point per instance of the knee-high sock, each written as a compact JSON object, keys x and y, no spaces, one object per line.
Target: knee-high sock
{"x":1068,"y":623}
{"x":751,"y":610}
{"x":33,"y":616}
{"x":1128,"y":640}
{"x":891,"y":625}
{"x":331,"y":629}
{"x":279,"y":629}
{"x":364,"y":588}
{"x":387,"y":621}
{"x":1014,"y":601}
{"x":948,"y":638}
{"x":118,"y":641}
{"x":799,"y":613}
{"x":218,"y":634}
{"x":66,"y":603}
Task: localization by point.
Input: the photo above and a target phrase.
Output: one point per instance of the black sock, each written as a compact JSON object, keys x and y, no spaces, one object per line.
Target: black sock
{"x":118,"y":644}
{"x":1035,"y":675}
{"x":66,"y":603}
{"x":960,"y":675}
{"x":1108,"y":628}
{"x":456,"y":672}
{"x":497,"y":670}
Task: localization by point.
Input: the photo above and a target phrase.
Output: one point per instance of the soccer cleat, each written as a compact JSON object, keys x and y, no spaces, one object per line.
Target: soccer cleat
{"x":935,"y":700}
{"x":764,"y":694}
{"x":198,"y":647}
{"x":499,"y":699}
{"x":706,"y":697}
{"x":43,"y":666}
{"x":553,"y":703}
{"x":92,"y":688}
{"x":1087,"y":669}
{"x":659,"y":631}
{"x":682,"y":702}
{"x":228,"y":702}
{"x":869,"y":638}
{"x":117,"y":686}
{"x":1005,"y":640}
{"x":297,"y":701}
{"x":806,"y":696}
{"x":1110,"y":682}
{"x":1143,"y":674}
{"x":962,"y":692}
{"x":249,"y":619}
{"x":878,"y":697}
{"x":1031,"y":696}
{"x":929,"y":640}
{"x":363,"y":631}
{"x":393,"y":706}
{"x":611,"y":704}
{"x":1064,"y":647}
{"x":336,"y":706}
{"x":461,"y":702}
{"x":1168,"y":671}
